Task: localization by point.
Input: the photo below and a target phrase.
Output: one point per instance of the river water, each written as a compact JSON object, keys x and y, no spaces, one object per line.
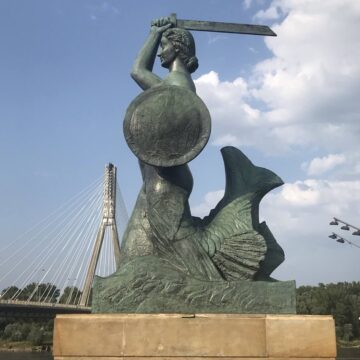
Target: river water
{"x":25,"y":356}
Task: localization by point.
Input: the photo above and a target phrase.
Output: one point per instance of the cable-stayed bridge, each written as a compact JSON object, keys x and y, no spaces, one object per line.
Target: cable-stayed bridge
{"x":52,"y":265}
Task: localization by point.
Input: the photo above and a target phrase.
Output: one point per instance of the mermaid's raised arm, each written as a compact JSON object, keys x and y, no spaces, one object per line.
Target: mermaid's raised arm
{"x":144,"y":62}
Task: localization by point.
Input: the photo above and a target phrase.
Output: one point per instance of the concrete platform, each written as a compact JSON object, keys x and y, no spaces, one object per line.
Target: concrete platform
{"x":183,"y":336}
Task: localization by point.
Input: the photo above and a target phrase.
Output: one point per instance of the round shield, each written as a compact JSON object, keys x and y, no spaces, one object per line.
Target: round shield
{"x":167,"y":125}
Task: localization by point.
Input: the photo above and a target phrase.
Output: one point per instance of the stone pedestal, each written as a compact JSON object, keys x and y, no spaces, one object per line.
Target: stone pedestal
{"x":184,"y":336}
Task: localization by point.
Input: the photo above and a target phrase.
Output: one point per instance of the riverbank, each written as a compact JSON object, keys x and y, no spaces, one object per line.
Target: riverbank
{"x":23,"y":346}
{"x":348,"y":350}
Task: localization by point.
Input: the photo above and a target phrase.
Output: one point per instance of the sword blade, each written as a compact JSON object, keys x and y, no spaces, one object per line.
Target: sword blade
{"x":225,"y":27}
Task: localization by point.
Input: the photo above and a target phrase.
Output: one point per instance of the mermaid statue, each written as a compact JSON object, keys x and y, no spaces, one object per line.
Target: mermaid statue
{"x":172,"y":261}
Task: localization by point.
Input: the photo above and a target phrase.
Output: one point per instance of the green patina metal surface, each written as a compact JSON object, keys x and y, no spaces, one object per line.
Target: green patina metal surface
{"x":150,"y":285}
{"x":170,"y":260}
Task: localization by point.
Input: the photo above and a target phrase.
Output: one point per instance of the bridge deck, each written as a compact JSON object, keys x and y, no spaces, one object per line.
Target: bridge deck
{"x":31,"y":306}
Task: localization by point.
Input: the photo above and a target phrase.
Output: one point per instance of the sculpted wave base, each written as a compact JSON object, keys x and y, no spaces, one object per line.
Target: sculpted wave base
{"x":147,"y":286}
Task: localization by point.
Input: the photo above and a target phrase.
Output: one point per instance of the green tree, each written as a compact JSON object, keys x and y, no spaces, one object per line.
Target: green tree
{"x":71,"y":295}
{"x":45,"y":292}
{"x":9,"y":292}
{"x":16,"y":331}
{"x":36,"y":334}
{"x":342,"y":300}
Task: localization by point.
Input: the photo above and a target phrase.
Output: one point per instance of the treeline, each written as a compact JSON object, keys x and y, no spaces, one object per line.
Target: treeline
{"x":341,"y":300}
{"x":33,"y":330}
{"x":43,"y":292}
{"x":36,"y":332}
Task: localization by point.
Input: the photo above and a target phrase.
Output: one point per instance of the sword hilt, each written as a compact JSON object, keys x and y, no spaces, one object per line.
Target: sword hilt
{"x":173,"y":19}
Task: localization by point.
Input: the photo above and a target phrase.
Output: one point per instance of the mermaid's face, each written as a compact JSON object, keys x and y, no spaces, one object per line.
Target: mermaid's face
{"x":168,"y":52}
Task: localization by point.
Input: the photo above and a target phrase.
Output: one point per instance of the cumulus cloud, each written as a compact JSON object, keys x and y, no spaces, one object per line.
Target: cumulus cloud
{"x":318,"y":166}
{"x":210,"y":201}
{"x":309,"y":87}
{"x":299,"y":214}
{"x":334,"y":197}
{"x":272,"y":13}
{"x":235,"y":121}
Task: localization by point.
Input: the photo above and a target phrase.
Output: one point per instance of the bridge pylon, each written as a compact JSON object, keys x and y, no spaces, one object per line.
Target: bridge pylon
{"x":108,"y":220}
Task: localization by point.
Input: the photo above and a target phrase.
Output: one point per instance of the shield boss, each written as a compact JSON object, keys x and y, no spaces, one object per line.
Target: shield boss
{"x":167,"y":126}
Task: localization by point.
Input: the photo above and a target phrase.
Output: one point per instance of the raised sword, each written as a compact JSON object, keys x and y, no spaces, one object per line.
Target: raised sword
{"x":224,"y":27}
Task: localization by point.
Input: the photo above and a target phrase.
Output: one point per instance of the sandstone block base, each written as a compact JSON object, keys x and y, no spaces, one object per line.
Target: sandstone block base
{"x":183,"y":336}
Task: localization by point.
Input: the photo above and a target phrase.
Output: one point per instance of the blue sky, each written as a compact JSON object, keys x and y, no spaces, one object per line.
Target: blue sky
{"x":290,"y":103}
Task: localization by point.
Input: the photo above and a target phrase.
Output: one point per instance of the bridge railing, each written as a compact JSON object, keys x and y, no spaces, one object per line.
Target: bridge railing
{"x":43,"y":304}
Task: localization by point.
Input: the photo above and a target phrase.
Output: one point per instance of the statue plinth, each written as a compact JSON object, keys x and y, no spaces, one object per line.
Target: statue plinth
{"x":180,"y":336}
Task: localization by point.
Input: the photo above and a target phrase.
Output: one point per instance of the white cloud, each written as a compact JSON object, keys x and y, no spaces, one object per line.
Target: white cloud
{"x":299,"y":214}
{"x":234,"y":120}
{"x":331,"y":196}
{"x":309,"y":79}
{"x":210,"y":201}
{"x":318,"y":166}
{"x":272,"y":13}
{"x":227,"y":140}
{"x":300,"y":194}
{"x":309,"y":86}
